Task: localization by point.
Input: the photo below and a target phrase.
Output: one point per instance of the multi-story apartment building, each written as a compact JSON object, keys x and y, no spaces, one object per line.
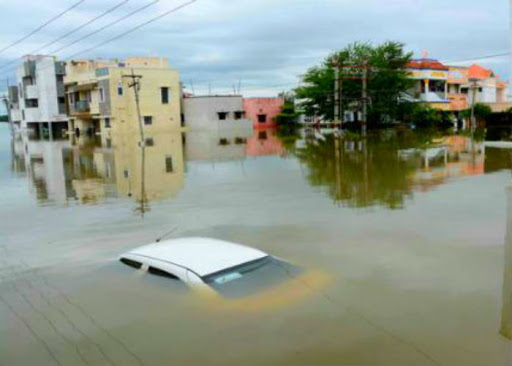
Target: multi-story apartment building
{"x":101,"y":99}
{"x":40,"y":103}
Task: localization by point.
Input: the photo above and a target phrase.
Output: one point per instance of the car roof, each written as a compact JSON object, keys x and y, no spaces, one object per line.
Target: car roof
{"x":203,"y":256}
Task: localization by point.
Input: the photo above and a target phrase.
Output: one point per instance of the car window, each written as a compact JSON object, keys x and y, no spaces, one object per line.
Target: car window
{"x":131,"y":263}
{"x":251,"y":278}
{"x":161,"y":273}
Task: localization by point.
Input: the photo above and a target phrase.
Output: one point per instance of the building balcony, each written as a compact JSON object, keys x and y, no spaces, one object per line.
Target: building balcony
{"x":31,"y":92}
{"x":32,"y":115}
{"x":82,"y":106}
{"x":433,"y":97}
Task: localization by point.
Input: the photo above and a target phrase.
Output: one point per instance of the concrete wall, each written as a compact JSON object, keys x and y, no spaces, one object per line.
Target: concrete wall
{"x":203,"y":112}
{"x":45,"y":88}
{"x":165,"y":117}
{"x":270,"y":107}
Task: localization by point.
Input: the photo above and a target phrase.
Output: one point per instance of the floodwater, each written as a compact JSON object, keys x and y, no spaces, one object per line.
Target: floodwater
{"x":401,"y":236}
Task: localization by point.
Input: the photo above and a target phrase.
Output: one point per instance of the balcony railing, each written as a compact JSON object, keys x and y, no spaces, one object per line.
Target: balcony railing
{"x":82,"y":106}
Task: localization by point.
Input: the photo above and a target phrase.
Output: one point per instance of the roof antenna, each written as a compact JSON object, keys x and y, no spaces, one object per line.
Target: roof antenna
{"x":166,"y":234}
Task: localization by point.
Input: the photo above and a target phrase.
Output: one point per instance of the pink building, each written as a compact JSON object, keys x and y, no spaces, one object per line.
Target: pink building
{"x":262,"y":111}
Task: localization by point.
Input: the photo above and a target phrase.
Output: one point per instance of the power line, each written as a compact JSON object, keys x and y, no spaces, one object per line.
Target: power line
{"x":106,"y":12}
{"x":96,"y":18}
{"x":42,"y":26}
{"x":124,"y":17}
{"x":480,"y":58}
{"x":135,"y":28}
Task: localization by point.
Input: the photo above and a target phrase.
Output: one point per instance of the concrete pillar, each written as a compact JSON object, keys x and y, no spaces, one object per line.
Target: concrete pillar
{"x":506,"y":309}
{"x":50,"y":131}
{"x":427,"y":86}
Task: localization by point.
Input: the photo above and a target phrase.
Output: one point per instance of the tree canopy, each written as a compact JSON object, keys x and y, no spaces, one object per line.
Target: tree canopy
{"x":387,"y":81}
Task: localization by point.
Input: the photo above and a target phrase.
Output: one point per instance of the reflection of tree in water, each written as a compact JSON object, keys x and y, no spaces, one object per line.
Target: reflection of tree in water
{"x":363,"y":172}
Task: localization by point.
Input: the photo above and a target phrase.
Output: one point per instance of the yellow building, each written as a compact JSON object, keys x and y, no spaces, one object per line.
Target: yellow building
{"x":100,"y":98}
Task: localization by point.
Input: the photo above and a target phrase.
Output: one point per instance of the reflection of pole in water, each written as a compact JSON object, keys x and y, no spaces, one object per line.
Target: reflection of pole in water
{"x":143,"y":208}
{"x":338,"y":162}
{"x":506,"y":310}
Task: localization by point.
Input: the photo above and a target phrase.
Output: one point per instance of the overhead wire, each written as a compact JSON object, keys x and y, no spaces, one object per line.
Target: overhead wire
{"x":131,"y":30}
{"x":106,"y":26}
{"x":89,"y":22}
{"x":44,"y":25}
{"x":121,"y":35}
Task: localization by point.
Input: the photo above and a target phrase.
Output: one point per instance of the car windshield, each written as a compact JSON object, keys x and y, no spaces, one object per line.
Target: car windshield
{"x":252,"y":277}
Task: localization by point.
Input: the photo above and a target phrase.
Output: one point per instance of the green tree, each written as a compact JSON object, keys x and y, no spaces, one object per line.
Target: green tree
{"x":287,"y":117}
{"x":424,"y":116}
{"x":387,"y":81}
{"x":482,"y":111}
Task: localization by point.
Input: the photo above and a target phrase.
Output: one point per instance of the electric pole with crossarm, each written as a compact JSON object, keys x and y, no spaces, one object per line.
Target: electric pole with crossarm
{"x":135,"y":84}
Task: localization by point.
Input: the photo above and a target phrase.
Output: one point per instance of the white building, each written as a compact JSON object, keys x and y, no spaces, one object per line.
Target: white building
{"x":41,"y":105}
{"x":214,"y":112}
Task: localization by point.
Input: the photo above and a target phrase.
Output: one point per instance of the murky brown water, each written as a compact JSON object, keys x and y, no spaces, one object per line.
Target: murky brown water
{"x":407,"y":234}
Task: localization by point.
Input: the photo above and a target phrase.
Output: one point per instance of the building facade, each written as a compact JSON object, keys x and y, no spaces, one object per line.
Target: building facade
{"x":40,"y":104}
{"x":214,"y":112}
{"x":102,"y":101}
{"x":451,"y":88}
{"x":263,"y":111}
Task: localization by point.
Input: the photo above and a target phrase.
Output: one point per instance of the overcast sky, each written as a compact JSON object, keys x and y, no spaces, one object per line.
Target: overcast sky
{"x":266,"y":44}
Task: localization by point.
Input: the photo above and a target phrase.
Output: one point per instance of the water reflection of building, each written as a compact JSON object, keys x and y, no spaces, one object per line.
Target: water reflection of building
{"x":217,"y":145}
{"x":386,"y":167}
{"x":265,"y":142}
{"x":43,"y":166}
{"x":151,"y":174}
{"x":60,"y":171}
{"x":453,"y":157}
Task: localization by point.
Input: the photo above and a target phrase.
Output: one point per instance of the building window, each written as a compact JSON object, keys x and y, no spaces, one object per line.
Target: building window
{"x":165,"y":95}
{"x":31,"y":103}
{"x":223,"y":142}
{"x":107,"y":122}
{"x":148,"y":120}
{"x":101,"y":95}
{"x":168,"y":164}
{"x":240,"y":140}
{"x":23,"y":113}
{"x":88,"y":96}
{"x":61,"y":100}
{"x":262,"y":135}
{"x":120,"y":89}
{"x":109,"y":143}
{"x":149,"y":142}
{"x":262,"y":118}
{"x":239,"y":114}
{"x":223,"y":116}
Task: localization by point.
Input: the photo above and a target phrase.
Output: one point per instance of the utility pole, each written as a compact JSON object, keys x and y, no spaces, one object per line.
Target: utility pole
{"x":365,"y":96}
{"x":336,"y":92}
{"x":135,"y":84}
{"x":473,"y":102}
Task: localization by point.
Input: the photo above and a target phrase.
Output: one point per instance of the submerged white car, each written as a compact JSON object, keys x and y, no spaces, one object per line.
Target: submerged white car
{"x":232,"y":270}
